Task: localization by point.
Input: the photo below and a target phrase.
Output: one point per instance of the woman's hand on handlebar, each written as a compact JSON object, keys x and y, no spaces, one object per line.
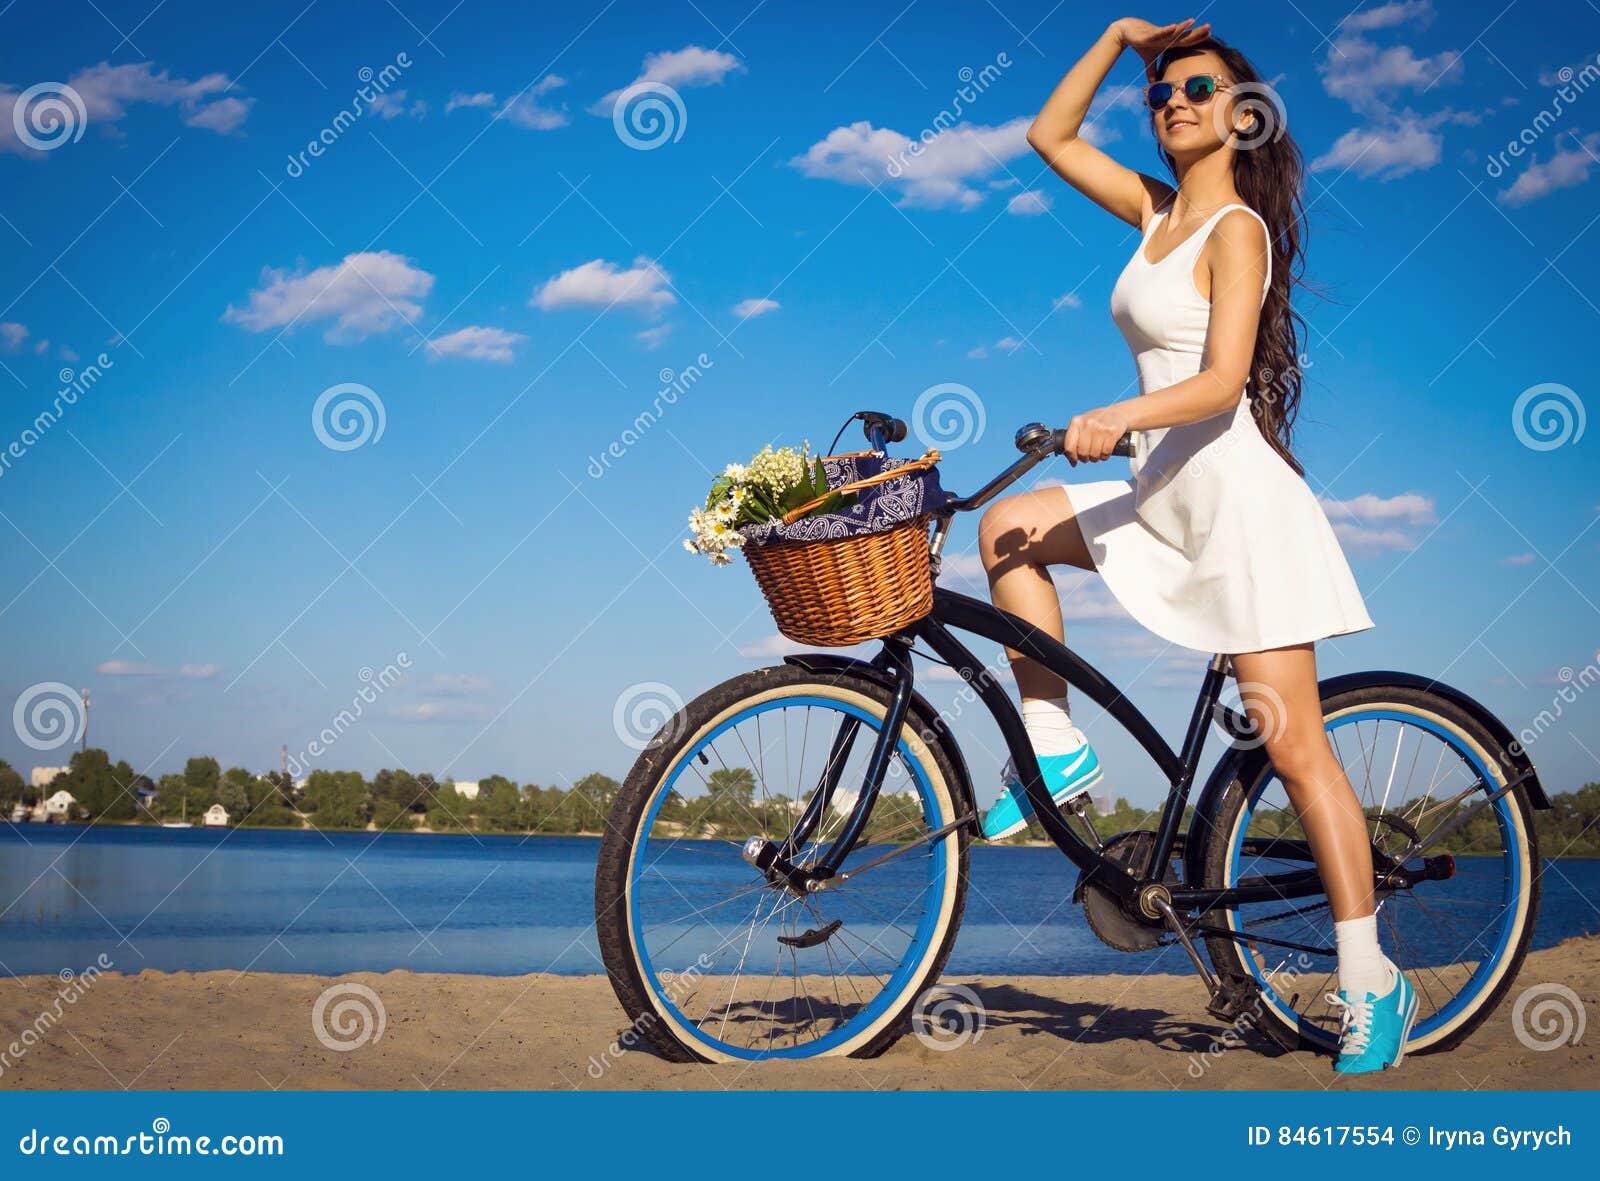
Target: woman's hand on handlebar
{"x":1093,"y":435}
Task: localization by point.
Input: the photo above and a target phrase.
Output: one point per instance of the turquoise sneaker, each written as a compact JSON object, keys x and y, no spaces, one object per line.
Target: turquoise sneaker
{"x":1068,"y":776}
{"x":1373,"y":1031}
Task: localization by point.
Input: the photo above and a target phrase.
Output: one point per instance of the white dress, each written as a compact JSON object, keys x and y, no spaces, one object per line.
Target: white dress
{"x":1216,"y":543}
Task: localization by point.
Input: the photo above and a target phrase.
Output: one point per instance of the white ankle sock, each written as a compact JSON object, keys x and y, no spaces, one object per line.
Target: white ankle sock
{"x":1363,"y":968}
{"x":1050,"y":727}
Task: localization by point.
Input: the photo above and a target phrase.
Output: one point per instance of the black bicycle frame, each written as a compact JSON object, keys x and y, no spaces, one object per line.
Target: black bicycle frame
{"x":962,"y":612}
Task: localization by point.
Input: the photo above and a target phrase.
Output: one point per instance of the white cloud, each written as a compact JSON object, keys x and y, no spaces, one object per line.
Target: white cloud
{"x":143,"y":668}
{"x":106,"y":91}
{"x":476,"y":344}
{"x":1363,"y":73}
{"x":222,"y":116}
{"x":441,"y":711}
{"x":605,"y":285}
{"x":1362,"y":537}
{"x":1008,"y":344}
{"x":977,"y":353}
{"x":775,"y":646}
{"x":746,"y":309}
{"x":1411,"y":508}
{"x":1519,"y":560}
{"x":1371,"y":522}
{"x":680,"y":69}
{"x":363,"y":294}
{"x":1367,"y":76}
{"x":12,"y":335}
{"x":1384,"y":151}
{"x":526,"y":111}
{"x":458,"y":100}
{"x":1029,"y":204}
{"x":654,"y":338}
{"x":1070,"y":300}
{"x":1565,"y":169}
{"x":940,"y":173}
{"x":392,"y":104}
{"x":458,"y":684}
{"x":128,"y":668}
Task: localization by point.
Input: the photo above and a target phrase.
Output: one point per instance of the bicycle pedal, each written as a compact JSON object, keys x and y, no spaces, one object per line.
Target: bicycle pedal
{"x":1233,"y":998}
{"x":813,"y":936}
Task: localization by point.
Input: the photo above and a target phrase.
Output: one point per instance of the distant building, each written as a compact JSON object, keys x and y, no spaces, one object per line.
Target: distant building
{"x":58,"y":806}
{"x":468,"y":790}
{"x":45,"y":776}
{"x":216,"y":816}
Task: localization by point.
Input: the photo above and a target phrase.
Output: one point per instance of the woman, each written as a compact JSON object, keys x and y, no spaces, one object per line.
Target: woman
{"x":1216,"y":543}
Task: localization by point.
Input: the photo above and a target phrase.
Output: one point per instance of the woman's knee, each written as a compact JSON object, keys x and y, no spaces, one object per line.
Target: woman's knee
{"x":1003,"y":533}
{"x":1299,"y":753}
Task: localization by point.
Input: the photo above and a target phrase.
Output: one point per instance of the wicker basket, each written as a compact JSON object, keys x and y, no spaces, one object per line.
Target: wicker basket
{"x":841,"y":591}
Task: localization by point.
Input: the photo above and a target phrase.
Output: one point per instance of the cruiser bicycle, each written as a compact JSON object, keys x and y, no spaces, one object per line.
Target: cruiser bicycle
{"x":784,"y":870}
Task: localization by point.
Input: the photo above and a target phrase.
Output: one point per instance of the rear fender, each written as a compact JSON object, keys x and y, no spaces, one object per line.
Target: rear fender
{"x":1244,"y":763}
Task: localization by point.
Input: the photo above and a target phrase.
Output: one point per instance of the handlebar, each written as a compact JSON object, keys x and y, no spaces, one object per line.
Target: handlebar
{"x":1037,"y":443}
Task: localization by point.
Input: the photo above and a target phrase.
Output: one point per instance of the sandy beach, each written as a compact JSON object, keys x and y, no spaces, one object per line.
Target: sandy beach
{"x":221,"y":1030}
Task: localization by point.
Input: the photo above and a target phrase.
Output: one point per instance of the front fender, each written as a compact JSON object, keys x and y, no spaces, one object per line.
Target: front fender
{"x":826,"y":663}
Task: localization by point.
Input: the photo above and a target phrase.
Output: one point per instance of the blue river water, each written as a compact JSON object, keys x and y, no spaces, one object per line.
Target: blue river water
{"x":199,"y":899}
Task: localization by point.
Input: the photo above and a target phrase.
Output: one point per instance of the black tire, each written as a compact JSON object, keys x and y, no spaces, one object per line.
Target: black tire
{"x":1521,"y":908}
{"x":652,"y":771}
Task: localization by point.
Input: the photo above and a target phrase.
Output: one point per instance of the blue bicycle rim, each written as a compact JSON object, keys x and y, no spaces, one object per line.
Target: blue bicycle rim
{"x":1511,"y":891}
{"x":916,"y":952}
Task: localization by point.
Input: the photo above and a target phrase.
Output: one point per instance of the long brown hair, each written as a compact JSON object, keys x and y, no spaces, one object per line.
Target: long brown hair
{"x":1267,"y":171}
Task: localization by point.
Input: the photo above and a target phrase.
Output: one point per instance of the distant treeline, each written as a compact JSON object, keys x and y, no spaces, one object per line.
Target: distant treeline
{"x":399,"y":801}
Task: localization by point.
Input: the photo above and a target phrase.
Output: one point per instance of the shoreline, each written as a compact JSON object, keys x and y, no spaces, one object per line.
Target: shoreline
{"x":255,"y":1031}
{"x":424,"y":831}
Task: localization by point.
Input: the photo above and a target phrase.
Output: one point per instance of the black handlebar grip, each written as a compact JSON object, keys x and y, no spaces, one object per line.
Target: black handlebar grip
{"x":1123,"y":448}
{"x":897,"y":431}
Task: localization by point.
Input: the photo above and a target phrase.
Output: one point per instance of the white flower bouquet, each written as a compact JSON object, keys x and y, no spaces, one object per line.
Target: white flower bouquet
{"x":772,"y":484}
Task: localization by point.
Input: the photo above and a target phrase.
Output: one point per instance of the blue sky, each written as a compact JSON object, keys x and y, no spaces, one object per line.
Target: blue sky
{"x":514,"y":282}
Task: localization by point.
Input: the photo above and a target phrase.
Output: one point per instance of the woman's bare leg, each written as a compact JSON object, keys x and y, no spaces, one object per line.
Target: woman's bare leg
{"x":1020,"y":536}
{"x":1279,"y":692}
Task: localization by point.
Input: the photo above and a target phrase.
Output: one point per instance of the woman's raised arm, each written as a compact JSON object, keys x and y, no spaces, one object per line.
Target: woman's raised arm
{"x":1054,"y":135}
